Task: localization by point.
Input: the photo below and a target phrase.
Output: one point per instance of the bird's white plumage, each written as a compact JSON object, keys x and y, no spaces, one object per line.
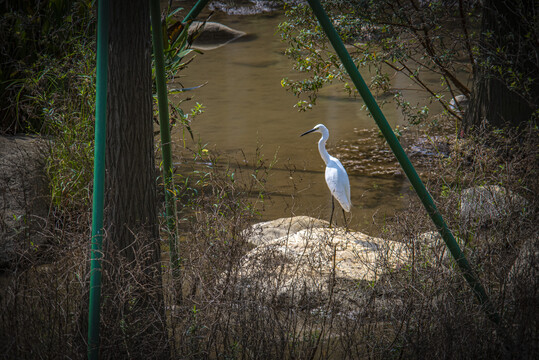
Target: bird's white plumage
{"x":338,"y":183}
{"x":336,"y":176}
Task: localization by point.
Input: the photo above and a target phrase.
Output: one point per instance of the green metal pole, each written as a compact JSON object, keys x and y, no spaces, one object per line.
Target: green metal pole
{"x":162,"y":102}
{"x":196,"y":10}
{"x":99,"y":179}
{"x":405,"y":163}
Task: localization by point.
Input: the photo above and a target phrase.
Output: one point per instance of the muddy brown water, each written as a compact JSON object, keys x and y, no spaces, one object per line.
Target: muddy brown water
{"x":248,"y":112}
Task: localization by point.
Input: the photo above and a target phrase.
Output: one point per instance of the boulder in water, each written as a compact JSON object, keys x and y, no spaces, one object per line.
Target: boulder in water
{"x":213,"y":35}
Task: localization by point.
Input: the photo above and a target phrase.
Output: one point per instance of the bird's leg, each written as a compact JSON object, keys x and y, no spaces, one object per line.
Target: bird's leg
{"x":344,"y":217}
{"x":332,"y":209}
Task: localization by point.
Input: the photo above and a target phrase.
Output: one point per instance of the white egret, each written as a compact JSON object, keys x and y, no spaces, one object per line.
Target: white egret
{"x":336,"y":176}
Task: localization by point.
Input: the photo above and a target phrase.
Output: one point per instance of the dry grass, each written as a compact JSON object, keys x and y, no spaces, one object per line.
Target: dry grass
{"x":423,"y":310}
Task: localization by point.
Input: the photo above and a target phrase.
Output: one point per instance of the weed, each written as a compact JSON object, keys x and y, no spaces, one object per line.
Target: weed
{"x":423,"y":309}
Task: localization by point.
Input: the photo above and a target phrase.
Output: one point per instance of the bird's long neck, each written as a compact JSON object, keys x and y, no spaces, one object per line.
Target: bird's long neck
{"x":322,"y":149}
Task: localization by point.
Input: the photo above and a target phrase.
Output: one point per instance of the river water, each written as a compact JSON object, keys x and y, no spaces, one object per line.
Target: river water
{"x":247,"y":112}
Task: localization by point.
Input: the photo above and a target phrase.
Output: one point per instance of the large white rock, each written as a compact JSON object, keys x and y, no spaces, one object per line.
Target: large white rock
{"x":312,"y":259}
{"x":483,"y":204}
{"x":459,"y":104}
{"x":433,"y":246}
{"x":265,"y":232}
{"x":526,"y":265}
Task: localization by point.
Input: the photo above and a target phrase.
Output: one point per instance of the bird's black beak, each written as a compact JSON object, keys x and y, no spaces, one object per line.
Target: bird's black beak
{"x":308,"y":132}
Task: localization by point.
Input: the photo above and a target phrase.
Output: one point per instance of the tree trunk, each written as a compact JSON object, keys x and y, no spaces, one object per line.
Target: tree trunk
{"x":133,"y":307}
{"x":131,"y":177}
{"x":503,"y":95}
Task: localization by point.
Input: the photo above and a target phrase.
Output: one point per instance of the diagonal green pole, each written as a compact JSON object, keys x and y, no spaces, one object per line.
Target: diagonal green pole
{"x":405,"y":163}
{"x":196,"y":10}
{"x":166,"y":148}
{"x":99,"y":179}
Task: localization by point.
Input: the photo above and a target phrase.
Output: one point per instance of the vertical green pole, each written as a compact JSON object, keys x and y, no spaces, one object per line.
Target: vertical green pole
{"x":99,"y":179}
{"x":405,"y":163}
{"x":162,"y":102}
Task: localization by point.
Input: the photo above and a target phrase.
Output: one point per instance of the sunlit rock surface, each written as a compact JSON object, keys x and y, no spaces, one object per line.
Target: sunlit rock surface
{"x":483,"y":204}
{"x":265,"y":232}
{"x":302,"y":254}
